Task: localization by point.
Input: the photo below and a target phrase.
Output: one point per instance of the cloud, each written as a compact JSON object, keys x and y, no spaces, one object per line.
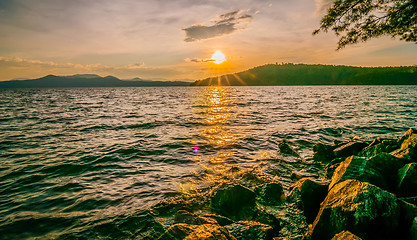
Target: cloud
{"x":225,"y":24}
{"x":199,"y":60}
{"x":47,"y":67}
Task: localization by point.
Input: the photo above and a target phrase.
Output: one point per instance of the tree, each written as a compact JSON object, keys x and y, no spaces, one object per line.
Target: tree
{"x":357,"y":21}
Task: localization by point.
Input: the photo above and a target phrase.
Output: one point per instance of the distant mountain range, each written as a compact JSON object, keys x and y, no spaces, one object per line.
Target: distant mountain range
{"x":289,"y":74}
{"x":86,"y":80}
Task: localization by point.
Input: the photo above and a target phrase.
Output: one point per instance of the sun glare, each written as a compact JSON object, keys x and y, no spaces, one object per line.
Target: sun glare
{"x":218,"y":57}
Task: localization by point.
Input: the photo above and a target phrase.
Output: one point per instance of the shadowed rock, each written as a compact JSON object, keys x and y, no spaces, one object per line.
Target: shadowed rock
{"x":407,"y":180}
{"x":359,"y":207}
{"x":379,"y":170}
{"x":250,"y":230}
{"x":235,"y":201}
{"x":323,"y":153}
{"x":181,"y":231}
{"x":413,"y":231}
{"x":346,"y":235}
{"x":308,"y":194}
{"x":349,"y":149}
{"x":269,"y":194}
{"x":285,"y":149}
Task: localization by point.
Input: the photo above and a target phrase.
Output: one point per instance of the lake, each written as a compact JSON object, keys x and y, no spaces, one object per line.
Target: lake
{"x":86,"y":162}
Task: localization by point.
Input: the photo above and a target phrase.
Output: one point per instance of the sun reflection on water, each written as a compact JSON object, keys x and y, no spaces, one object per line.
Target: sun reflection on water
{"x":219,"y":134}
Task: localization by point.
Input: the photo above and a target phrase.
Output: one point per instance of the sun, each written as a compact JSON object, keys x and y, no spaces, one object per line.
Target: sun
{"x":218,"y":57}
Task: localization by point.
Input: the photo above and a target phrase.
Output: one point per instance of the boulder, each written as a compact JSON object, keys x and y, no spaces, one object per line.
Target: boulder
{"x":235,"y":202}
{"x":408,"y":150}
{"x":349,"y":149}
{"x":361,"y":208}
{"x":346,"y":235}
{"x":380,"y":170}
{"x":407,"y":220}
{"x":263,"y":216}
{"x":413,"y":231}
{"x":183,"y":216}
{"x":181,"y":231}
{"x":379,"y":146}
{"x":308,"y":194}
{"x":407,"y":180}
{"x":285,"y":149}
{"x":221,"y":220}
{"x":407,"y":134}
{"x":250,"y":230}
{"x":323,"y":153}
{"x":269,"y":194}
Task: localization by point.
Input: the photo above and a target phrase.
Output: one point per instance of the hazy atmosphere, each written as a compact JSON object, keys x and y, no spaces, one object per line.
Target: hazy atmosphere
{"x":174,"y":39}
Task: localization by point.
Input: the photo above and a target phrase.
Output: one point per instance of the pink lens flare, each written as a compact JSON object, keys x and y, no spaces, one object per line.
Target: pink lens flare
{"x":196,"y":148}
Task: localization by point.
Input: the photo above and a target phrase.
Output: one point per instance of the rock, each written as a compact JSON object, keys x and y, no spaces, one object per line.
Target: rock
{"x":250,"y":230}
{"x":380,"y":170}
{"x":407,"y":180}
{"x":265,"y":217}
{"x":361,"y":208}
{"x":235,"y":201}
{"x":407,"y":134}
{"x":413,"y":231}
{"x":377,"y":147}
{"x":310,"y":193}
{"x":349,"y":149}
{"x":181,"y":231}
{"x":285,"y":149}
{"x":269,"y":194}
{"x":346,"y":235}
{"x":252,"y":179}
{"x":323,"y":153}
{"x":408,"y":150}
{"x":221,"y":220}
{"x":190,"y":218}
{"x":408,"y":215}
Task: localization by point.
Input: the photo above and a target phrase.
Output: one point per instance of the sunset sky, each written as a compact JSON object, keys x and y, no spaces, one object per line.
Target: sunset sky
{"x":163,"y":39}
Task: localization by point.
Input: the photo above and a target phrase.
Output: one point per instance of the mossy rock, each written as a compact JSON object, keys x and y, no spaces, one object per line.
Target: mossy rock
{"x":235,"y":202}
{"x":308,"y":194}
{"x":361,"y":208}
{"x":323,"y":153}
{"x":408,"y":150}
{"x":380,"y":170}
{"x":181,"y":231}
{"x":250,"y":230}
{"x":407,"y":180}
{"x":373,"y":149}
{"x":349,"y":149}
{"x":346,"y":235}
{"x":269,"y":194}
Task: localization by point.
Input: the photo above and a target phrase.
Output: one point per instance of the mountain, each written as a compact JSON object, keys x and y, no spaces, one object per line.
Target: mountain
{"x":302,"y":74}
{"x":85,"y":80}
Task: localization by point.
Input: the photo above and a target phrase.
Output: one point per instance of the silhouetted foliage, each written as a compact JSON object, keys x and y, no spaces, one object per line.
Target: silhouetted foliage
{"x":302,"y":74}
{"x":357,"y":21}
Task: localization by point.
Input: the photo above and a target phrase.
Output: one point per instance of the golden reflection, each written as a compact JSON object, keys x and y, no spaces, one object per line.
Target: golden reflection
{"x":218,"y":134}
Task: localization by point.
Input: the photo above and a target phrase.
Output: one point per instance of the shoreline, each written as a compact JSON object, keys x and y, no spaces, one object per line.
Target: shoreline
{"x":366,"y":191}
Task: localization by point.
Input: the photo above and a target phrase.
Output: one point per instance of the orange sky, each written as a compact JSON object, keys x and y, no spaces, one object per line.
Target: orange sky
{"x":173,"y":39}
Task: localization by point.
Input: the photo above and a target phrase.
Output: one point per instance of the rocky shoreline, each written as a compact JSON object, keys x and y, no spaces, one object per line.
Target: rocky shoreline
{"x":366,"y":191}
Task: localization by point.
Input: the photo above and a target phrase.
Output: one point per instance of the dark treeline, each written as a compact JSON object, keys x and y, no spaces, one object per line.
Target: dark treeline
{"x":289,"y":74}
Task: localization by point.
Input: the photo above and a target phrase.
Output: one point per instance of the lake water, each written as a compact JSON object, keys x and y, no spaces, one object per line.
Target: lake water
{"x":72,"y":160}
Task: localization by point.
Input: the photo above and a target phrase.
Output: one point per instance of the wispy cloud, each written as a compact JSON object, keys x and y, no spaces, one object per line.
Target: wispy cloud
{"x":225,"y":24}
{"x":134,"y":69}
{"x":198,"y":60}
